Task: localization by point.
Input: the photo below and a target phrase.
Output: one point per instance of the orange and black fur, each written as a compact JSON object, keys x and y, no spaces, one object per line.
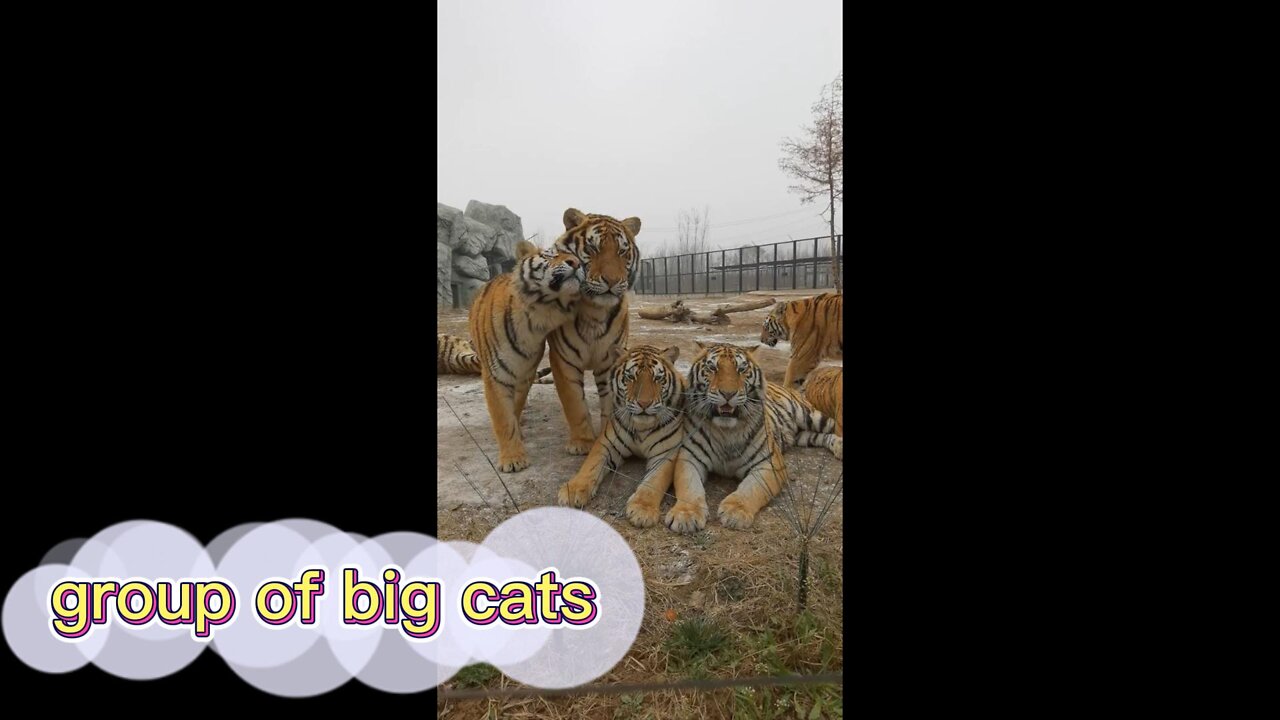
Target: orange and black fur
{"x":646,"y":422}
{"x":815,"y":327}
{"x":824,"y":389}
{"x":455,"y":356}
{"x":510,"y":320}
{"x":597,"y":336}
{"x":737,"y":425}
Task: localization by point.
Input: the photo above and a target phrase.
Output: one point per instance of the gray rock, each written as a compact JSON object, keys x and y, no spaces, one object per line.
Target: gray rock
{"x":468,"y":288}
{"x":506,"y":223}
{"x":469,"y":244}
{"x":444,"y":272}
{"x":448,"y":223}
{"x":472,"y":237}
{"x":471,"y":266}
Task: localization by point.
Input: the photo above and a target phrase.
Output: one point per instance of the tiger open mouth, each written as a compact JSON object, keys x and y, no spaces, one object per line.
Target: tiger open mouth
{"x":771,"y":342}
{"x":726,"y":411}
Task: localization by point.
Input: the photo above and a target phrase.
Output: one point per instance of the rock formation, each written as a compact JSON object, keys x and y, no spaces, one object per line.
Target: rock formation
{"x":472,"y":247}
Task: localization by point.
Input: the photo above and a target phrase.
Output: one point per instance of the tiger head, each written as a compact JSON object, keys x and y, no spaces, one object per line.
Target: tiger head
{"x":647,"y":390}
{"x":608,"y":249}
{"x":776,"y":326}
{"x":726,"y":385}
{"x":550,"y":271}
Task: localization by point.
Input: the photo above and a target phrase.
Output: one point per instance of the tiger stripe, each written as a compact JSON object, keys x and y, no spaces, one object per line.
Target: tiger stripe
{"x":646,"y":423}
{"x":737,"y":424}
{"x":455,"y":356}
{"x":598,"y":334}
{"x":824,"y":389}
{"x":815,"y":327}
{"x":509,"y":321}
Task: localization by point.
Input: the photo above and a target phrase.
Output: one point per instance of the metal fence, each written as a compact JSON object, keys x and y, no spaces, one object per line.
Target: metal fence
{"x":789,"y":265}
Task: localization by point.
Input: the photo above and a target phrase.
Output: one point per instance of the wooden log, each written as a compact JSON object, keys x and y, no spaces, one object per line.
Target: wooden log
{"x":744,"y":306}
{"x":660,"y":313}
{"x":712,"y":319}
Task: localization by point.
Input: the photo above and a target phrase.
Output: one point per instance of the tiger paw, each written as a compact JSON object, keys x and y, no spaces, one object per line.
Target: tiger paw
{"x":837,"y":448}
{"x":687,"y":517}
{"x":513,"y":463}
{"x":575,"y":494}
{"x":736,"y":514}
{"x":579,"y":447}
{"x":642,"y":509}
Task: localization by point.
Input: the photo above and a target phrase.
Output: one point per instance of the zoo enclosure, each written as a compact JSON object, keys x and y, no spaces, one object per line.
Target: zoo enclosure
{"x":789,"y":265}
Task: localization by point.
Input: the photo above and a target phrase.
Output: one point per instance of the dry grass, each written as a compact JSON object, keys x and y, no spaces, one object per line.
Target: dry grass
{"x":733,"y":595}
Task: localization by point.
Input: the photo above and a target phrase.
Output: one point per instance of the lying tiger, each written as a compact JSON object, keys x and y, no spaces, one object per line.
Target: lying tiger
{"x":824,"y":389}
{"x":736,"y":424}
{"x":815,"y":327}
{"x":455,"y":356}
{"x":510,"y":320}
{"x":648,"y":396}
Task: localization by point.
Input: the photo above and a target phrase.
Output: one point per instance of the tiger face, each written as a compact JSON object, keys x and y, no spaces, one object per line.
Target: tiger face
{"x":608,"y":249}
{"x":646,"y":387}
{"x":552,"y":270}
{"x":726,"y":385}
{"x":775,"y":326}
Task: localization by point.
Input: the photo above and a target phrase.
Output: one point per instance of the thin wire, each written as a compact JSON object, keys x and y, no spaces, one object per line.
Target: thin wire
{"x":482,"y":452}
{"x":833,"y":678}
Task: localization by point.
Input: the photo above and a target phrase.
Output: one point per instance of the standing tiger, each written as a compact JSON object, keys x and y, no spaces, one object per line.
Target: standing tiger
{"x":599,"y":328}
{"x":648,"y":398}
{"x":815,"y":327}
{"x":736,"y":424}
{"x":824,"y":389}
{"x":510,"y":320}
{"x":455,"y":356}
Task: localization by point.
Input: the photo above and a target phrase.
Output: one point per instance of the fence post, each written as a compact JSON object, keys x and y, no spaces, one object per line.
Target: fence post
{"x":739,"y":270}
{"x":815,"y":264}
{"x":794,"y":266}
{"x":724,"y":272}
{"x":775,"y":267}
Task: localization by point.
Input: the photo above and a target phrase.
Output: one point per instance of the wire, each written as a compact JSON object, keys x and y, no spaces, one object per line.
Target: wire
{"x":728,"y":223}
{"x":835,"y":678}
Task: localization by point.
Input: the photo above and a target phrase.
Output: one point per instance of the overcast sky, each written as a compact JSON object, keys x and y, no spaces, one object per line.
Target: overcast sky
{"x":633,"y":109}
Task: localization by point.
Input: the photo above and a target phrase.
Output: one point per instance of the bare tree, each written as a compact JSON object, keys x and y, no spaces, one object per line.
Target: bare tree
{"x":817,"y":159}
{"x":691,"y":231}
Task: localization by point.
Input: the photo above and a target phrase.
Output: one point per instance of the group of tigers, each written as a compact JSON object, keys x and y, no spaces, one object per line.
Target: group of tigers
{"x":722,"y":418}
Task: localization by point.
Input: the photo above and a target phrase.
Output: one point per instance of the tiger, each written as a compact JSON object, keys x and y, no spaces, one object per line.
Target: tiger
{"x":824,"y":389}
{"x":737,"y":424}
{"x":455,"y":356}
{"x":510,"y":320}
{"x":646,"y":423}
{"x":600,"y":325}
{"x":815,"y":327}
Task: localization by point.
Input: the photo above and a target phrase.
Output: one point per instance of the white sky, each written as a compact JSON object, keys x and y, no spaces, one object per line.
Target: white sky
{"x":633,"y":108}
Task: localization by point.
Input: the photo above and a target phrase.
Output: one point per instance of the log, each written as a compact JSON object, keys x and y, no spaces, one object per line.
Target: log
{"x":678,"y":312}
{"x":714,"y":318}
{"x":744,"y":306}
{"x":660,"y":313}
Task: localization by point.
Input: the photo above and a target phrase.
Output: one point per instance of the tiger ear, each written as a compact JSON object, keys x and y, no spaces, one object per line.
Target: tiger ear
{"x":701,"y":345}
{"x":573,"y":217}
{"x":751,"y":351}
{"x":525,"y":249}
{"x":671,"y":353}
{"x":782,"y":305}
{"x":632,"y":224}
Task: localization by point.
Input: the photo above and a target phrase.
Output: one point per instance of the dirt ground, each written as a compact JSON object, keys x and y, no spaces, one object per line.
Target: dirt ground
{"x":737,"y":579}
